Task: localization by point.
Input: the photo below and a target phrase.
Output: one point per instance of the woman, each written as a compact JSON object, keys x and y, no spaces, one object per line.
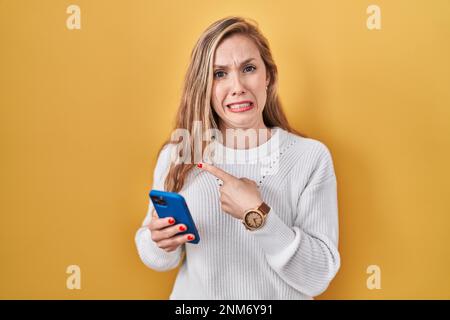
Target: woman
{"x":266,"y":210}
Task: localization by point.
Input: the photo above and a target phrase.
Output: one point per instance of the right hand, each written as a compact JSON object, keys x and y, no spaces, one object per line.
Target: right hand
{"x":164,"y":233}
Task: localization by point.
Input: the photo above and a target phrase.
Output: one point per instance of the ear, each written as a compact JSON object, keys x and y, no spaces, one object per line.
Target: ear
{"x":267,"y":78}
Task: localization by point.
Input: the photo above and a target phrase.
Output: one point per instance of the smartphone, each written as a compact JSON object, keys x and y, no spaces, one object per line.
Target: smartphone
{"x":172,"y":204}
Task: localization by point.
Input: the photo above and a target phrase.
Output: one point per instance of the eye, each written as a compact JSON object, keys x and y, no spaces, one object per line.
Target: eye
{"x":216,"y":74}
{"x":247,"y":67}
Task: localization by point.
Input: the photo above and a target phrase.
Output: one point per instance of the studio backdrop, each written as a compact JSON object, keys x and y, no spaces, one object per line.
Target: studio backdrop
{"x":90,"y":90}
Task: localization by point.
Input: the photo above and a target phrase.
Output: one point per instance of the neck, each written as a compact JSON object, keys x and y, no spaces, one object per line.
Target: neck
{"x":245,"y":138}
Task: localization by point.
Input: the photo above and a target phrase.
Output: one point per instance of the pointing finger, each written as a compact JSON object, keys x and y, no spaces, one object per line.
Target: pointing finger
{"x":217,"y":172}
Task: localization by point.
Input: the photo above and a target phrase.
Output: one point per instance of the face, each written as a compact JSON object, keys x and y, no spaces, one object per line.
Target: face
{"x":239,"y":75}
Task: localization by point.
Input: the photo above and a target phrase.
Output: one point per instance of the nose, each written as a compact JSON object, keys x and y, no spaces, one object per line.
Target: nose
{"x":237,"y":87}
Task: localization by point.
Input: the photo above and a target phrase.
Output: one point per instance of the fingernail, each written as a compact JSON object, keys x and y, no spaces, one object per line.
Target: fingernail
{"x":182,"y":228}
{"x":171,"y":221}
{"x":200,"y":165}
{"x":190,"y":237}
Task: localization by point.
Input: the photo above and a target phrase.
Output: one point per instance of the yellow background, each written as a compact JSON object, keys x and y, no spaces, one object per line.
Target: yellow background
{"x":83,"y":113}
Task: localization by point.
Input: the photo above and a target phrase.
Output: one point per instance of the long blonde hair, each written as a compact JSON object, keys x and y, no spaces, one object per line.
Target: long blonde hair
{"x":195,"y":104}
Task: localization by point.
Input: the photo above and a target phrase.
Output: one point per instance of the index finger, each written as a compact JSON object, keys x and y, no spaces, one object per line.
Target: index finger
{"x":217,"y":172}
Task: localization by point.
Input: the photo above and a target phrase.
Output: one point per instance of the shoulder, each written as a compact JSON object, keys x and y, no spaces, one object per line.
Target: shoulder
{"x":315,"y":154}
{"x":163,"y":161}
{"x":166,"y":153}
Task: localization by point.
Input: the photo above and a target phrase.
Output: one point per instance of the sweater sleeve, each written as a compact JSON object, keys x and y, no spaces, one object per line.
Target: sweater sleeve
{"x":306,"y":255}
{"x":151,"y":255}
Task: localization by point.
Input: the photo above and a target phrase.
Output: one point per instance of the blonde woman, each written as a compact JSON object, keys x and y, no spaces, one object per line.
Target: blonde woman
{"x":266,"y":209}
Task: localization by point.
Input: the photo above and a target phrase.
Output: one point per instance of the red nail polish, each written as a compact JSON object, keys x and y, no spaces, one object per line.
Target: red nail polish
{"x":190,"y":237}
{"x":182,"y":228}
{"x":200,"y":165}
{"x":171,"y":221}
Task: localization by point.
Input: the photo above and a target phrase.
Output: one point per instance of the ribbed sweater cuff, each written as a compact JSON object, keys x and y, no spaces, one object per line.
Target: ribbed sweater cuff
{"x":275,"y":236}
{"x":152,"y":255}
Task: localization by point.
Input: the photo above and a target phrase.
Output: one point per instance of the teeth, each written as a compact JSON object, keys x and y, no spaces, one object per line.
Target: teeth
{"x":237,"y":106}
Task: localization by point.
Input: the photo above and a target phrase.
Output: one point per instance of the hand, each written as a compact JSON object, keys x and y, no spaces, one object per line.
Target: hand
{"x":164,"y":233}
{"x":237,"y":195}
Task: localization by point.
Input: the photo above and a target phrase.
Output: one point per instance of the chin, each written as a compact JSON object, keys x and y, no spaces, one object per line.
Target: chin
{"x":240,"y":124}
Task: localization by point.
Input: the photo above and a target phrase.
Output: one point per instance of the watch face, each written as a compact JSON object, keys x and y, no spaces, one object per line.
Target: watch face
{"x":253,"y":219}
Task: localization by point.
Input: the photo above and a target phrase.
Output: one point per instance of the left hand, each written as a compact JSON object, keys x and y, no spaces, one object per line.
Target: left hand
{"x":237,"y":195}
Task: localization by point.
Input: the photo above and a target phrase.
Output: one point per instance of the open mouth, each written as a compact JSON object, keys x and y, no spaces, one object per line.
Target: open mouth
{"x":240,"y":107}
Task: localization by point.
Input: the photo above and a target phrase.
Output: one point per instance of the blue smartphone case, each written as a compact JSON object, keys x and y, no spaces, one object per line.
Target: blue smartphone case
{"x":172,"y":204}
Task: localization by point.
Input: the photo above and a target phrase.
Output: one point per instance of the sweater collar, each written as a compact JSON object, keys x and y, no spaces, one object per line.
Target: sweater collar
{"x":226,"y":155}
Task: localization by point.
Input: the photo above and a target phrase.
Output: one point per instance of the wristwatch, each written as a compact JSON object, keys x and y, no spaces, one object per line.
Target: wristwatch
{"x":255,"y":218}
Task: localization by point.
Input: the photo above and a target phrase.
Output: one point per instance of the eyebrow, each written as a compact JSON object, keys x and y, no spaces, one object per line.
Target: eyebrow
{"x":242,"y":63}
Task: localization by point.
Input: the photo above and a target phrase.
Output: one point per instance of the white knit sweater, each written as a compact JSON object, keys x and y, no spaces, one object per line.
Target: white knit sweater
{"x":293,"y":256}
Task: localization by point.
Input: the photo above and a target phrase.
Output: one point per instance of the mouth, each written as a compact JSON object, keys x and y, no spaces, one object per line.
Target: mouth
{"x":240,"y":107}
